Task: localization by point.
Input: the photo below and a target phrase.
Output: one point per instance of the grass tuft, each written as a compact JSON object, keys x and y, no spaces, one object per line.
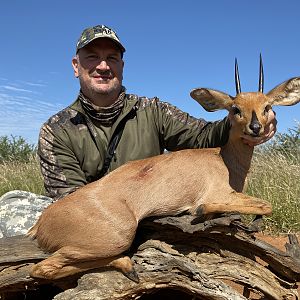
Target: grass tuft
{"x":275,"y":177}
{"x":18,"y":175}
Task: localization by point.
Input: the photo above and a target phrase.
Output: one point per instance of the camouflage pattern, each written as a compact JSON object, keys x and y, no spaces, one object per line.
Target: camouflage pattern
{"x":49,"y":160}
{"x":98,"y":31}
{"x":106,"y":115}
{"x":72,"y":146}
{"x":19,"y":210}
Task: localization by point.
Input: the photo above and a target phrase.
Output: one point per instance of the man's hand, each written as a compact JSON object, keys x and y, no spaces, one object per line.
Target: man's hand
{"x":270,"y":130}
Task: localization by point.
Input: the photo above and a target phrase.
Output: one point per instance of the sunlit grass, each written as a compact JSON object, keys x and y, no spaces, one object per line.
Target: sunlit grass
{"x":24,"y":176}
{"x":275,"y":177}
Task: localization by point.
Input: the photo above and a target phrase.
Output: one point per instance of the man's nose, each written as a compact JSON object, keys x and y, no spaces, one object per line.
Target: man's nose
{"x":103,"y":65}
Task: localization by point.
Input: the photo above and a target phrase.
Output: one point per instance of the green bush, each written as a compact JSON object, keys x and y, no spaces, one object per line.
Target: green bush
{"x":288,"y":141}
{"x":15,"y":149}
{"x":19,"y":168}
{"x":286,"y":144}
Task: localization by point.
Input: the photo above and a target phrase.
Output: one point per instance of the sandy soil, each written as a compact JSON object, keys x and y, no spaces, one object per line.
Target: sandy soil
{"x":278,"y":242}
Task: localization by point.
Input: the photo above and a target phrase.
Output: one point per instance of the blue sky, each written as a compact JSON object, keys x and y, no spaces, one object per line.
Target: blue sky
{"x":172,"y":47}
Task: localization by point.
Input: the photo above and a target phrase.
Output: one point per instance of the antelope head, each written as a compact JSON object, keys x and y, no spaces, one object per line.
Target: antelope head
{"x":249,"y":111}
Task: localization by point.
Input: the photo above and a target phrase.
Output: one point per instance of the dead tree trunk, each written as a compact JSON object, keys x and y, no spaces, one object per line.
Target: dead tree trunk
{"x":189,"y":261}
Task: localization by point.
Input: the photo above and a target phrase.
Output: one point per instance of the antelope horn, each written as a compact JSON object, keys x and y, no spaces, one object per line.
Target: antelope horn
{"x":261,"y":76}
{"x":237,"y":78}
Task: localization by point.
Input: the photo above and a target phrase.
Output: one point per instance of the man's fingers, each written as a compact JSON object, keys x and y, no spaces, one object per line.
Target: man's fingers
{"x":269,"y":132}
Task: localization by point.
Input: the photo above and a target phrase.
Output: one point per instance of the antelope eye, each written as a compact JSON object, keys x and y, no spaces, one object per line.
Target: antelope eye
{"x":236,"y":110}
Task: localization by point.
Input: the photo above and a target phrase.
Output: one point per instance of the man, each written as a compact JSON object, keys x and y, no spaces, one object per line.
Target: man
{"x":105,"y":128}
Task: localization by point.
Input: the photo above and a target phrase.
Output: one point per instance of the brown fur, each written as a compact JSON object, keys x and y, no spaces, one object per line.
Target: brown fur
{"x":91,"y":227}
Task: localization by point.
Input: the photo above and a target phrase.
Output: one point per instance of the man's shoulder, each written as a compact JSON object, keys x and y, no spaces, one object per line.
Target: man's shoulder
{"x":67,"y":117}
{"x":154,"y":103}
{"x":144,"y":101}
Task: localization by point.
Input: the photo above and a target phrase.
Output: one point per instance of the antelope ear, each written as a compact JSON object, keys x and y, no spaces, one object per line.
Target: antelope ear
{"x":286,"y":93}
{"x":212,"y":100}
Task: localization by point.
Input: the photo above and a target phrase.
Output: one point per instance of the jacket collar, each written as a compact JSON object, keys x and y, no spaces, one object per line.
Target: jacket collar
{"x":130,"y":101}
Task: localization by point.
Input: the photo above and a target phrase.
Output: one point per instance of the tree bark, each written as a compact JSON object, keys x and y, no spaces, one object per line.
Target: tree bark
{"x":175,"y":253}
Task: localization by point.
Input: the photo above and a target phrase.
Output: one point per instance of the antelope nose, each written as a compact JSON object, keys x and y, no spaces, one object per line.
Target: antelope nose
{"x":255,"y":127}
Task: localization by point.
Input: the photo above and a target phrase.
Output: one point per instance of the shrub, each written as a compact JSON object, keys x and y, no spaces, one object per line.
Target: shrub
{"x":19,"y":169}
{"x":15,"y":149}
{"x":287,"y":144}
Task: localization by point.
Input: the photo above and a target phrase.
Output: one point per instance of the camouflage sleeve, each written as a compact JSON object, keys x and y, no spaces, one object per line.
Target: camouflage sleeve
{"x":180,"y":130}
{"x":50,"y":148}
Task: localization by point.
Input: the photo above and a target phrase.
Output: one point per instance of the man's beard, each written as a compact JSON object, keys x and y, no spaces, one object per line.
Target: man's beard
{"x":92,"y":91}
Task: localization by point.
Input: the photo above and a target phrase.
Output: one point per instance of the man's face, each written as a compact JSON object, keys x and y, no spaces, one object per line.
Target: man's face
{"x":99,"y":67}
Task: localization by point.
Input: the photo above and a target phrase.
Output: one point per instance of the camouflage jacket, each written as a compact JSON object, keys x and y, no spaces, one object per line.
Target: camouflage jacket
{"x":72,"y":147}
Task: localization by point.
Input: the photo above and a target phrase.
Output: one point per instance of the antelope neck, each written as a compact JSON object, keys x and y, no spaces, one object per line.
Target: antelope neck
{"x":237,"y":157}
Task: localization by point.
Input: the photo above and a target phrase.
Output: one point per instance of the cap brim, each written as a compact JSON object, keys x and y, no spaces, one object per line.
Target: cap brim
{"x":101,"y":37}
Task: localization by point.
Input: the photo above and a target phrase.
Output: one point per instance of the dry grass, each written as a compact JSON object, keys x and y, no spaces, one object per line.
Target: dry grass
{"x":275,"y":177}
{"x":21,"y":176}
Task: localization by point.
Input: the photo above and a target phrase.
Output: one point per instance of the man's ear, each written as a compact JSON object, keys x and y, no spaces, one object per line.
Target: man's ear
{"x":123,"y":63}
{"x":75,"y":65}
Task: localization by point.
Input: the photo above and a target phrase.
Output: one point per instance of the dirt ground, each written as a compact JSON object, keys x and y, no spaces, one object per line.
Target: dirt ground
{"x":278,"y":242}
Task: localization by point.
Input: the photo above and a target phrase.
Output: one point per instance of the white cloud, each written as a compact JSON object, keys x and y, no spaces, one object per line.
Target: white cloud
{"x":16,"y":89}
{"x":34,"y":84}
{"x":23,"y":110}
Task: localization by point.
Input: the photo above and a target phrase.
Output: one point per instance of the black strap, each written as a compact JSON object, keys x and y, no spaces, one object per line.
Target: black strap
{"x":110,"y":151}
{"x":113,"y":143}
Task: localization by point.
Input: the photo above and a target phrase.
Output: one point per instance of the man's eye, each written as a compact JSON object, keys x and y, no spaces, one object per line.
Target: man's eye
{"x":92,"y":56}
{"x":112,"y":58}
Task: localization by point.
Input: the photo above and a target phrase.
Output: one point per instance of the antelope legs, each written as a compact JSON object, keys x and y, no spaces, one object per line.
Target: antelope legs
{"x":71,"y":260}
{"x":235,"y":202}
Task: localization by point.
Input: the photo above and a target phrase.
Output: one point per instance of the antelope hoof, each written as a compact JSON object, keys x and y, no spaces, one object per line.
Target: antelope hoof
{"x":132,"y":275}
{"x":200,"y":211}
{"x":43,"y":271}
{"x":202,"y":215}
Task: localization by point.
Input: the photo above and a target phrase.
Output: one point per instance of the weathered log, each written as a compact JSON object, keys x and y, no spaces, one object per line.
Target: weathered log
{"x":174,"y":253}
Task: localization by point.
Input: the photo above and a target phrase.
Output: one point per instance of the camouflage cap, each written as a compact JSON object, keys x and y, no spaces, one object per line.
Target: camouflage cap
{"x":98,"y":31}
